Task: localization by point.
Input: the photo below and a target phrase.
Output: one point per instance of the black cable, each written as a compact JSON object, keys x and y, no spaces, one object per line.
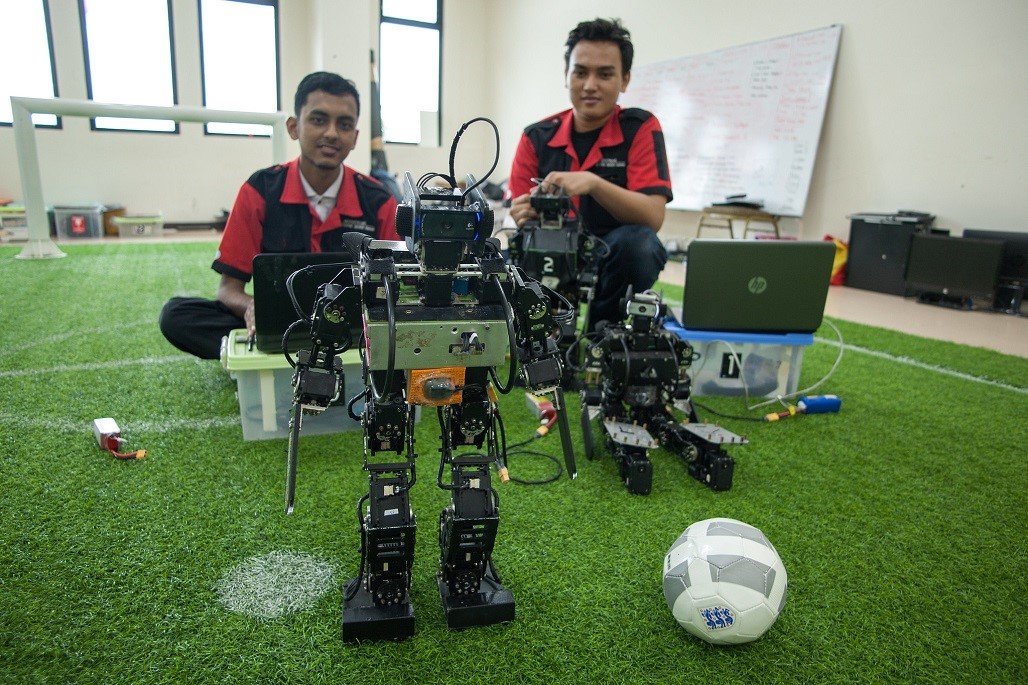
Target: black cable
{"x":512,"y":341}
{"x":453,"y":153}
{"x":353,"y":401}
{"x":285,"y":340}
{"x":570,"y":312}
{"x":292,"y":295}
{"x":542,"y":481}
{"x":351,"y":592}
{"x":575,"y":343}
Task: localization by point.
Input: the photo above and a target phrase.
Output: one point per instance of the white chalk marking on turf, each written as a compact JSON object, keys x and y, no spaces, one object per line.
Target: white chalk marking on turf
{"x":927,"y":367}
{"x":275,"y":584}
{"x":142,"y":426}
{"x":98,"y":366}
{"x":50,"y":339}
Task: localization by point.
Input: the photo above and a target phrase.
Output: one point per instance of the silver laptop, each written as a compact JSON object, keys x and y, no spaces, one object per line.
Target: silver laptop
{"x":756,"y":286}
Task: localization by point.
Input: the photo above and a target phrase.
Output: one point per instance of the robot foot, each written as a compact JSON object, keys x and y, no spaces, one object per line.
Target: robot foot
{"x":637,"y":473}
{"x":363,"y":620}
{"x":493,"y":603}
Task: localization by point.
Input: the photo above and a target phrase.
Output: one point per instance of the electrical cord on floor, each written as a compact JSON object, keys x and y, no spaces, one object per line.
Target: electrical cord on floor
{"x":539,"y":433}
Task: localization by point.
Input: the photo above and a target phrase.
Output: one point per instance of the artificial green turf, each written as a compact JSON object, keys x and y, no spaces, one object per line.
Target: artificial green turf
{"x":900,"y":520}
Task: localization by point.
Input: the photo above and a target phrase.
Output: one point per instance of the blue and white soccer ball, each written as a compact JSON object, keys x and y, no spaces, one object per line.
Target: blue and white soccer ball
{"x":724,"y":581}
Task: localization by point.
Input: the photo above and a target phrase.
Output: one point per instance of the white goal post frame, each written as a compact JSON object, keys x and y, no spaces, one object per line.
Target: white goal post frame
{"x":39,"y":245}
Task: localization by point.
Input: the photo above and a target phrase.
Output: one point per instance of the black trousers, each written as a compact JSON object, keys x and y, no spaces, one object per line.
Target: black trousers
{"x":636,"y":259}
{"x":196,"y":325}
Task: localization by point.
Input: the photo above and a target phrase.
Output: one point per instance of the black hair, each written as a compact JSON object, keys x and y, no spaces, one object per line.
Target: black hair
{"x":609,"y":30}
{"x":333,"y":84}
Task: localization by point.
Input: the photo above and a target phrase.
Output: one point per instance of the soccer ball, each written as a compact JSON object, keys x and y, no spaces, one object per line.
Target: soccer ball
{"x":724,"y":581}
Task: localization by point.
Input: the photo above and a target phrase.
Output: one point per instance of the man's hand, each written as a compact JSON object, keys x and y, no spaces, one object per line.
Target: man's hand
{"x":521,"y":210}
{"x":627,"y":206}
{"x":231,"y":293}
{"x":572,"y":182}
{"x":248,"y":317}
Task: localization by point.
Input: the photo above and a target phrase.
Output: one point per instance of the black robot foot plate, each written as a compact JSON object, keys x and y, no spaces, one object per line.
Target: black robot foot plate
{"x":363,"y":620}
{"x":492,"y":604}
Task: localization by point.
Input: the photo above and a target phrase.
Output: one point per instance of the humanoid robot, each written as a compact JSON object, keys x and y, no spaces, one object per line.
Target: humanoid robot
{"x":435,"y":317}
{"x":558,"y":252}
{"x":636,"y":372}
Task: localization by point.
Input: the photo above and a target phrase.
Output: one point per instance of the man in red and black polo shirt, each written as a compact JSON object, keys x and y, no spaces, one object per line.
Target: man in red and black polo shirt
{"x":611,"y":160}
{"x":306,"y":205}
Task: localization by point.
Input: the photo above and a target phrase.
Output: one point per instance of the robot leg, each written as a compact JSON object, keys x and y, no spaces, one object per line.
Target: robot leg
{"x":471,"y":590}
{"x":376,"y":604}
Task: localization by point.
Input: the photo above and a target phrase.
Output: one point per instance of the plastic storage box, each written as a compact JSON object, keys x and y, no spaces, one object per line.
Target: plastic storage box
{"x":13,"y":224}
{"x":264,"y":387}
{"x":110,"y":212}
{"x":84,"y":221}
{"x":139,"y":226}
{"x":727,"y":363}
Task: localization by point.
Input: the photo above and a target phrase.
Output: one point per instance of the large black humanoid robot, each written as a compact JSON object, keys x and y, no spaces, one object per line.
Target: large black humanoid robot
{"x":434,"y":317}
{"x":636,"y":372}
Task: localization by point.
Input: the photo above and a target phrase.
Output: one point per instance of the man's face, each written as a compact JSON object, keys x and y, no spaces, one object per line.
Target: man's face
{"x":326,"y":129}
{"x":594,"y":80}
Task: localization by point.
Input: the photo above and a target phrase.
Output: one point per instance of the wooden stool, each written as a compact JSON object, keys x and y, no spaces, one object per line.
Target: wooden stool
{"x":721,"y":216}
{"x":711,"y":218}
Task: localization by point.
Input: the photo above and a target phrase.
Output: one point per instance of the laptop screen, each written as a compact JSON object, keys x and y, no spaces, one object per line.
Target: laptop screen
{"x":273,"y":309}
{"x":756,"y":286}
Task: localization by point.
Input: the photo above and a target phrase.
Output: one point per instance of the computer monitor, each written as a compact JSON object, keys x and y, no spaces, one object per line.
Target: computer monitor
{"x":1014,"y":265}
{"x":953,"y":271}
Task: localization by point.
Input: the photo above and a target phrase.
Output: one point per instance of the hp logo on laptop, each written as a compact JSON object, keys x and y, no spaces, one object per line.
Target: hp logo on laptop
{"x":757,"y":285}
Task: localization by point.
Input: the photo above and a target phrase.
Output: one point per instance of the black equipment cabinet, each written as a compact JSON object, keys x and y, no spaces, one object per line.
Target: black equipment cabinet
{"x":878,"y":249}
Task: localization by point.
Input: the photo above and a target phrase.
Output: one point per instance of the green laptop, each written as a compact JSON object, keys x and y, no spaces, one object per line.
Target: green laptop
{"x":756,"y":286}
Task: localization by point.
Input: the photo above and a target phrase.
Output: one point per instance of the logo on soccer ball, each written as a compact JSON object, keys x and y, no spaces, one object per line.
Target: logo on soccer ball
{"x":757,"y":285}
{"x":717,"y":618}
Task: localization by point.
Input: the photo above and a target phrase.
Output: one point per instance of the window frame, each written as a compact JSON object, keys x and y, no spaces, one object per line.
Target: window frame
{"x":47,"y":25}
{"x":437,"y":26}
{"x":89,"y":77}
{"x":274,"y":4}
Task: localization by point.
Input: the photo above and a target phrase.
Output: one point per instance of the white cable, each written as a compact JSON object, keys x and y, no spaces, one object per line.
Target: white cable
{"x":804,"y":391}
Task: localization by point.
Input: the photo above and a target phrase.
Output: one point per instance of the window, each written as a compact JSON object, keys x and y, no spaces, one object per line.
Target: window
{"x":410,"y":38}
{"x":239,"y":60}
{"x":26,"y":58}
{"x":128,"y":51}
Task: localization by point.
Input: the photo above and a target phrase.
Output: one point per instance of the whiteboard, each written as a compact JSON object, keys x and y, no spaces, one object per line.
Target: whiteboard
{"x":745,"y":119}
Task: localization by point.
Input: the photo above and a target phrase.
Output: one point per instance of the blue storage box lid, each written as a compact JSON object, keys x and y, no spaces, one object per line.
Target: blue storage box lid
{"x":785,"y":339}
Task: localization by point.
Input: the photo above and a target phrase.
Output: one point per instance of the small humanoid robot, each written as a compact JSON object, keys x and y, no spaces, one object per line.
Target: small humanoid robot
{"x":558,"y":252}
{"x":636,"y":372}
{"x":434,"y":316}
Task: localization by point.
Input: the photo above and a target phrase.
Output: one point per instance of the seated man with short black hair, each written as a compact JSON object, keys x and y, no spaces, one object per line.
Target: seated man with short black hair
{"x":306,"y":205}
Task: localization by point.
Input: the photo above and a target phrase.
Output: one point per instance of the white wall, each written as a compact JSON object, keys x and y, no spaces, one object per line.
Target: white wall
{"x":927,"y":109}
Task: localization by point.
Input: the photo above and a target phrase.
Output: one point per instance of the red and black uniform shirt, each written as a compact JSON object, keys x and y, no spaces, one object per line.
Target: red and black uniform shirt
{"x":272,"y":214}
{"x":629,"y":153}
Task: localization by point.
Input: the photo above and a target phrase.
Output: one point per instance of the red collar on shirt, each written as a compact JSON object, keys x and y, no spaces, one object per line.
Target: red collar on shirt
{"x":293,"y":192}
{"x":610,"y":135}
